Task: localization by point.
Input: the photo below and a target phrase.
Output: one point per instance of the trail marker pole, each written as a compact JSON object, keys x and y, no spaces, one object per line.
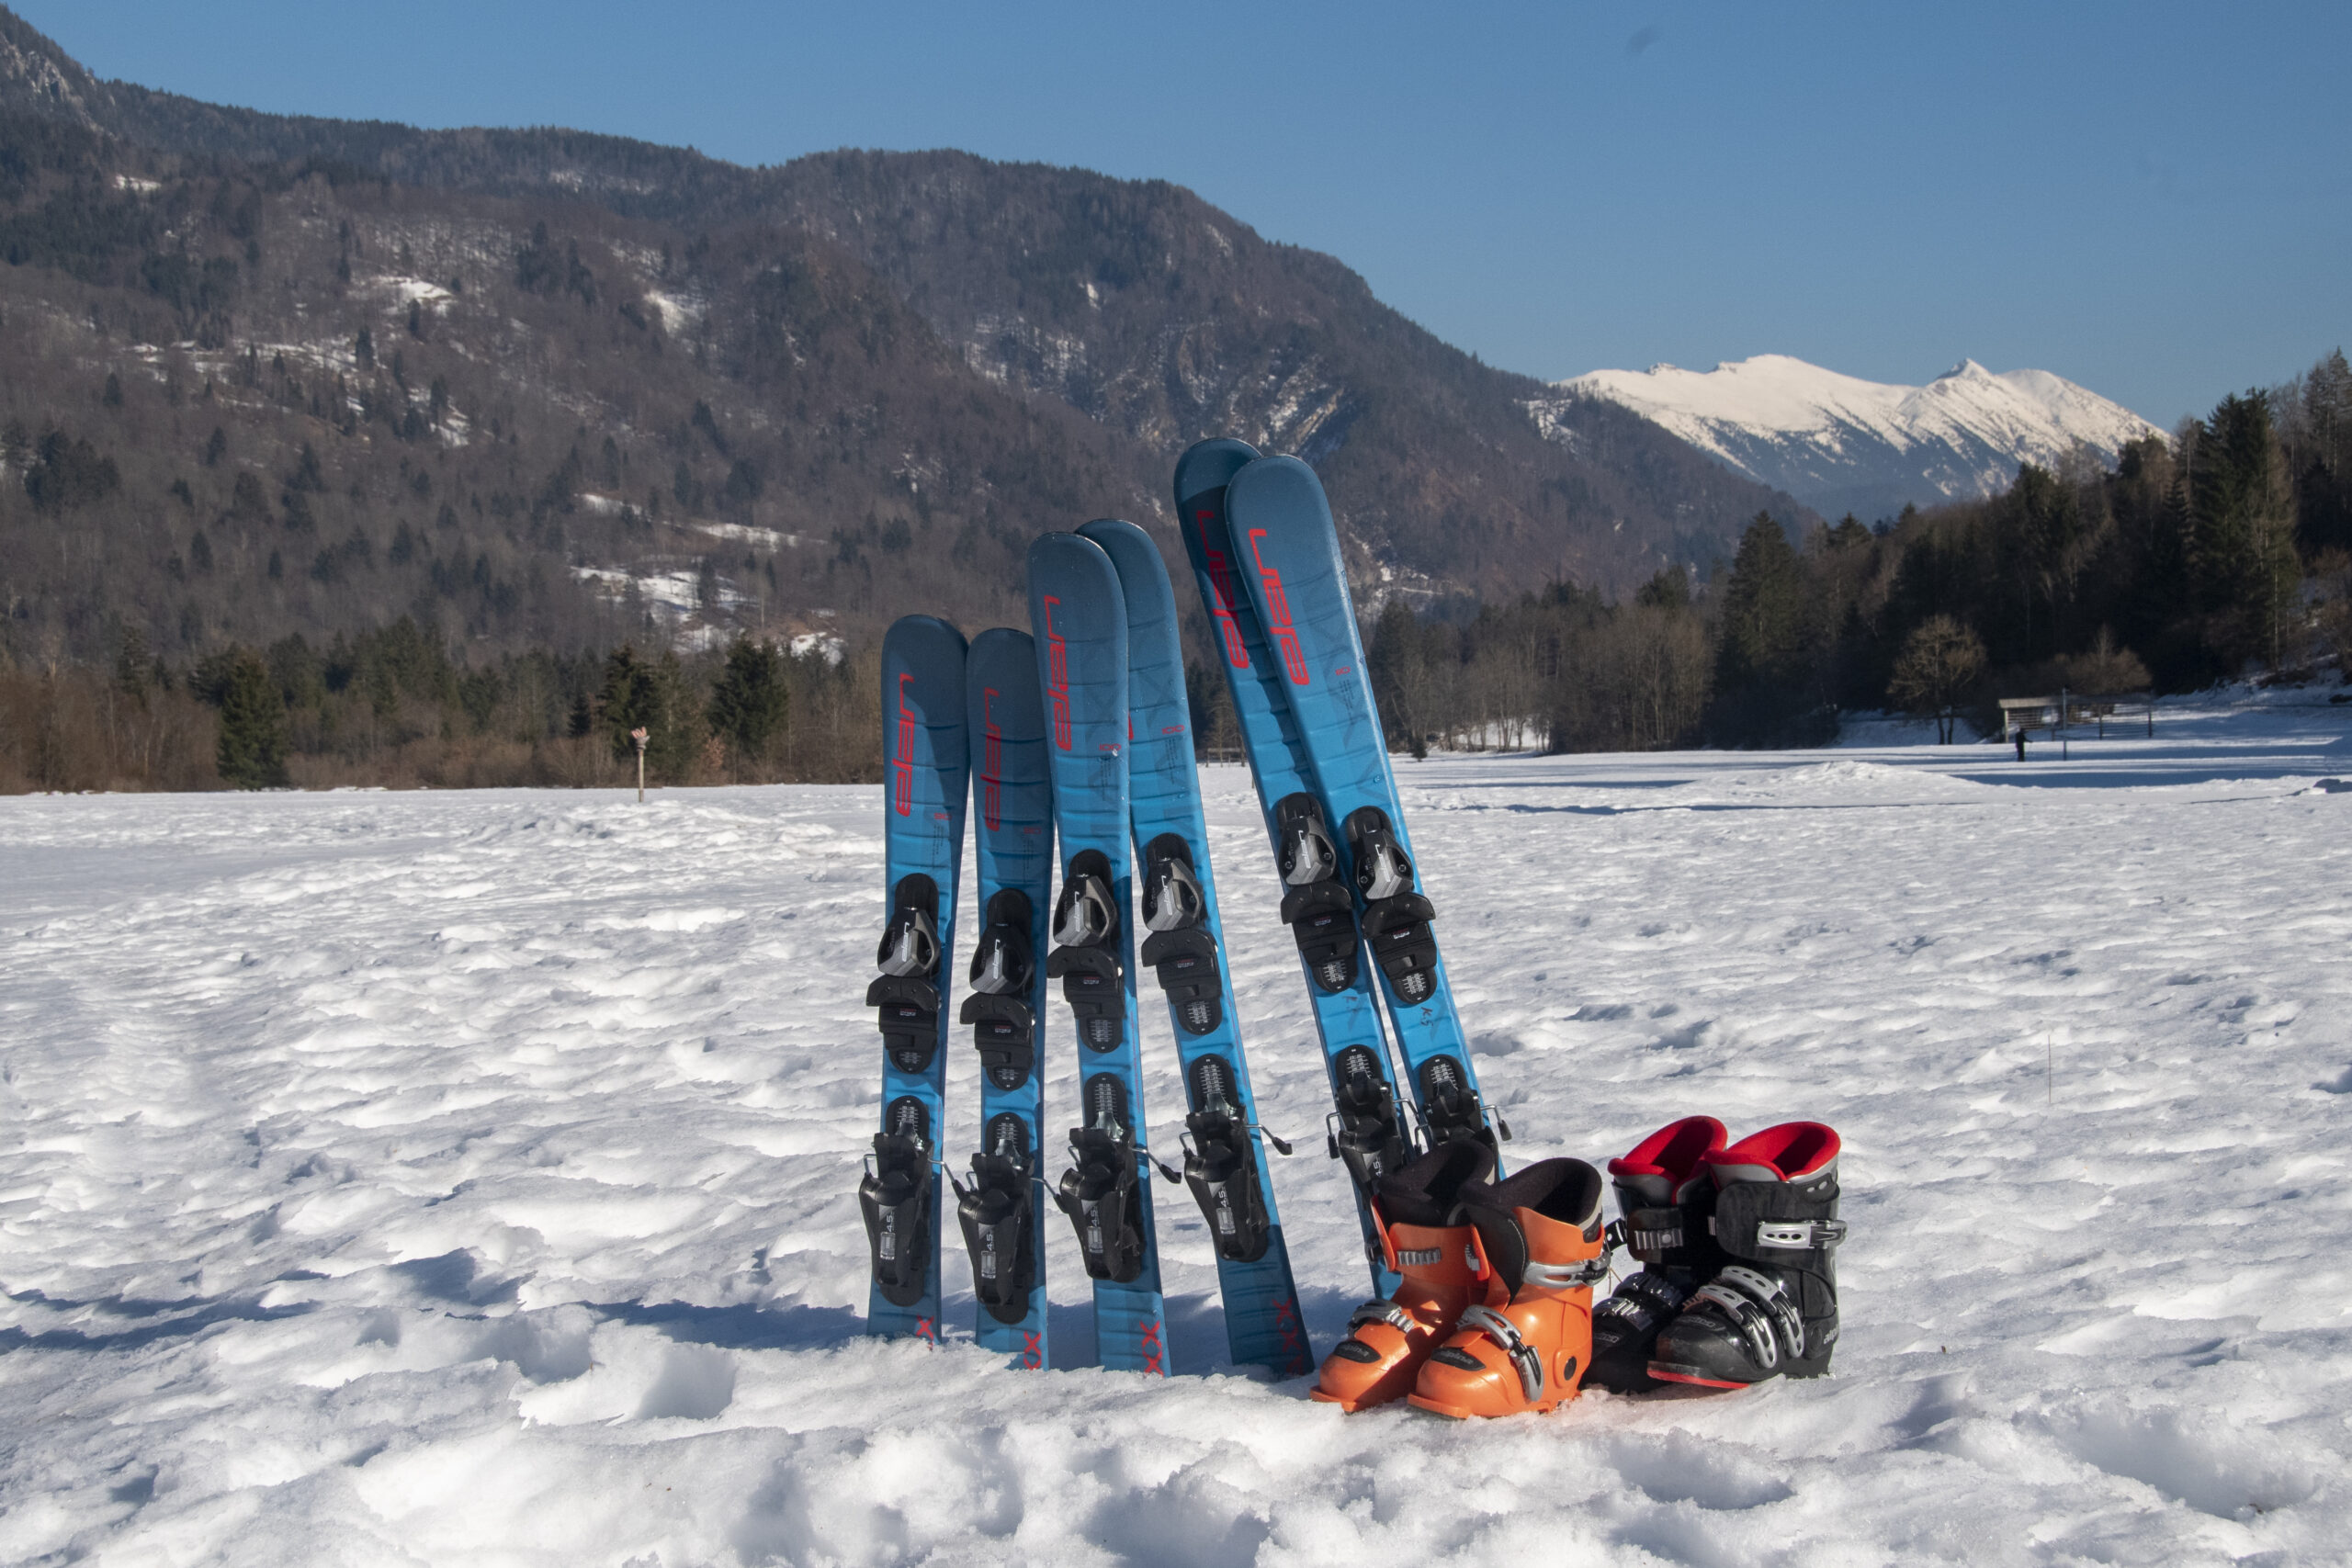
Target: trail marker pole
{"x":638,"y":736}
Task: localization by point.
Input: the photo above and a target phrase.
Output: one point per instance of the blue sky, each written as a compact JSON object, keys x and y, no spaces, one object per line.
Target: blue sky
{"x":2154,"y":199}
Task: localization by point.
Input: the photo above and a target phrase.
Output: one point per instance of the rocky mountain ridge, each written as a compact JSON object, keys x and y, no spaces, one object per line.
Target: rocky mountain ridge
{"x":1842,"y":443}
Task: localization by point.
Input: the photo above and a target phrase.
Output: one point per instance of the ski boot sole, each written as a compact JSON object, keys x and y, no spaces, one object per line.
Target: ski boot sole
{"x":1349,"y":1405}
{"x":1692,"y":1376}
{"x":1817,"y":1367}
{"x":1455,"y":1412}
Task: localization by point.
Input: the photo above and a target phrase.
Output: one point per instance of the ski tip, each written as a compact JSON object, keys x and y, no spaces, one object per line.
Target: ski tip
{"x":1210,"y":466}
{"x":1276,"y":487}
{"x":925,"y":636}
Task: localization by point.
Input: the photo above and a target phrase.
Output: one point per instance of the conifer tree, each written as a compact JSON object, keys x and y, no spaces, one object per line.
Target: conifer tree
{"x":251,"y":750}
{"x":750,"y":702}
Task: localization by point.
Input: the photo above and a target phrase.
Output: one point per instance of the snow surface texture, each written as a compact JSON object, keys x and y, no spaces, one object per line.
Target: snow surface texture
{"x":465,"y":1179}
{"x":1841,"y":444}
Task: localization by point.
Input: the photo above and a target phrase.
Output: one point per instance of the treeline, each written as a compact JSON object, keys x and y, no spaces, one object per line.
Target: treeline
{"x":2222,"y":551}
{"x":393,"y":707}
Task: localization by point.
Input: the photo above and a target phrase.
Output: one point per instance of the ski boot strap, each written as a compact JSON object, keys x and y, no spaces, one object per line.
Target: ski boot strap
{"x":1775,"y":1224}
{"x":1648,"y":1233}
{"x":1385,"y":1311}
{"x":1525,"y":1357}
{"x":1567,"y":1276}
{"x":1643,"y":1300}
{"x":1759,"y":1307}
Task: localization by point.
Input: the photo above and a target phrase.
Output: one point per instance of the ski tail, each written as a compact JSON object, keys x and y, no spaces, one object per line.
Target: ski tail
{"x":1079,"y":623}
{"x":1366,"y":1128}
{"x":1225,"y":1163}
{"x":1295,"y":578}
{"x":1002,"y":1209}
{"x":925,"y":760}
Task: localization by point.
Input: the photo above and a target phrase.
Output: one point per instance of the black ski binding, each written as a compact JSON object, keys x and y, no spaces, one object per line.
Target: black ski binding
{"x":1181,"y":947}
{"x":1086,"y":961}
{"x":999,"y":1222}
{"x":1451,"y":1108}
{"x":895,"y":1199}
{"x":997,"y":1007}
{"x":1220,"y":1166}
{"x":1318,"y":908}
{"x":1395,"y":916}
{"x":907,"y":991}
{"x":1101,"y":1193}
{"x":1366,"y":1132}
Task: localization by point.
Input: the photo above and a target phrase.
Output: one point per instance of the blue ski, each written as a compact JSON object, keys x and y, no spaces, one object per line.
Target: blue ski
{"x":1225,"y":1163}
{"x":1080,"y":624}
{"x":1366,"y":1129}
{"x":925,"y":764}
{"x":1001,"y":1210}
{"x":1292,"y":569}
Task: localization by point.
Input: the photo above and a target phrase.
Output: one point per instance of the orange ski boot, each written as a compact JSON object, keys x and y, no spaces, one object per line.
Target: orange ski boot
{"x":1540,"y":1237}
{"x":1421,"y":1239}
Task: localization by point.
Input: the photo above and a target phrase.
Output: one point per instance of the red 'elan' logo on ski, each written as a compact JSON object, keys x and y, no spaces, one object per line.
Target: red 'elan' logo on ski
{"x":991,"y":760}
{"x":1278,"y":615}
{"x":1057,"y":676}
{"x":903,"y":764}
{"x":1221,"y":579}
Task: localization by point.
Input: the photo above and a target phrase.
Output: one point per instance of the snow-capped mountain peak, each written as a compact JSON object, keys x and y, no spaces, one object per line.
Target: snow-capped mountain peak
{"x":1841,"y":444}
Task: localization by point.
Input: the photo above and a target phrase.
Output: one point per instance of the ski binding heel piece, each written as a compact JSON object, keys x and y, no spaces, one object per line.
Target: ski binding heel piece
{"x":906,"y":994}
{"x":1085,"y":924}
{"x":1319,"y":908}
{"x":895,"y":1198}
{"x":996,"y":1219}
{"x":1395,"y":915}
{"x":1101,"y":1193}
{"x":1002,"y":1027}
{"x":1180,"y":948}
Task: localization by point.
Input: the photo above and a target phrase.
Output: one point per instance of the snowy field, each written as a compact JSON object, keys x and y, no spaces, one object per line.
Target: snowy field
{"x":466,"y":1177}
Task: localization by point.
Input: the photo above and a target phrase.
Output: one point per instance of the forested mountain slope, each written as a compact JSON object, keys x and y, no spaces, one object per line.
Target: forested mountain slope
{"x":904,"y":365}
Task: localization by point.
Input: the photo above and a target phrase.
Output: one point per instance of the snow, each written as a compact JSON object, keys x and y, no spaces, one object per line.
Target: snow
{"x":1814,"y":430}
{"x":466,"y":1177}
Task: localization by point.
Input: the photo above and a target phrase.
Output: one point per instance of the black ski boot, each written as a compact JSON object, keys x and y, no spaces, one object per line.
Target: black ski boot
{"x":1665,"y":1199}
{"x":1771,"y":1310}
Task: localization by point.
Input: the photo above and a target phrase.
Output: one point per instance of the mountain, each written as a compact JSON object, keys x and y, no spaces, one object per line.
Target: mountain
{"x":1843,"y":444}
{"x":807,"y":397}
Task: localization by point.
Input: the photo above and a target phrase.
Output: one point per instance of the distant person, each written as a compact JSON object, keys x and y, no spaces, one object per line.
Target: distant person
{"x":2021,"y":745}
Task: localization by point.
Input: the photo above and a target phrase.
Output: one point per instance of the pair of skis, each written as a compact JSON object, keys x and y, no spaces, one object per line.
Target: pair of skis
{"x":1091,"y":743}
{"x":938,"y":695}
{"x":1266,"y":554}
